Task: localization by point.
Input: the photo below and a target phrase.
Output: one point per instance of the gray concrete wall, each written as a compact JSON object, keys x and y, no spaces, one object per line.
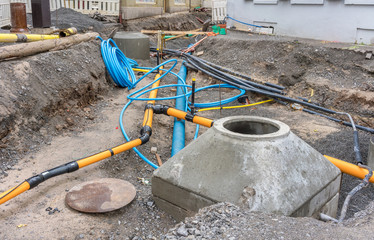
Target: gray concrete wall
{"x":206,"y":3}
{"x":132,"y":9}
{"x":330,"y":20}
{"x":139,"y":12}
{"x":172,"y":7}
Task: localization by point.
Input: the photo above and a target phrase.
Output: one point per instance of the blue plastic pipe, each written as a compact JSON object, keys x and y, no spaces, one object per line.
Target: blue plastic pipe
{"x":179,"y":124}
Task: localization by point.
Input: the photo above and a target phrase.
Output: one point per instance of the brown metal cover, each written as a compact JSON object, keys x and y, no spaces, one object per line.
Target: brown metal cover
{"x":101,"y":195}
{"x":18,"y":18}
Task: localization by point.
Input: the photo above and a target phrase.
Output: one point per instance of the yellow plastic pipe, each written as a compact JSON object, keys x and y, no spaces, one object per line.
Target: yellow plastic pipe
{"x":140,"y":70}
{"x":232,"y":107}
{"x":350,"y":169}
{"x":19,"y":37}
{"x":8,"y":37}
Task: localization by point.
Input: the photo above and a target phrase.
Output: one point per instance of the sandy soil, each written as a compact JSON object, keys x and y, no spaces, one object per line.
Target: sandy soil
{"x":36,"y":133}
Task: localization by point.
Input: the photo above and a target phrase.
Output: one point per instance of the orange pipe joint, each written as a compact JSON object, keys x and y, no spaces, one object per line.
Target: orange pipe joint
{"x":189,"y":117}
{"x":349,"y":168}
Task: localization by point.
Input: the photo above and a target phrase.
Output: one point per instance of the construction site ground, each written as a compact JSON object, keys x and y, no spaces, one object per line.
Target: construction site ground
{"x":60,"y":106}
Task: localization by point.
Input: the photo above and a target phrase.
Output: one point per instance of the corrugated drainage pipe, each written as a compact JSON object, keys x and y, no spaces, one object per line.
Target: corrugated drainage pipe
{"x":178,"y":142}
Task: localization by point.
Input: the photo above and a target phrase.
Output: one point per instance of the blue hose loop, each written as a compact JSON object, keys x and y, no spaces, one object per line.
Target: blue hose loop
{"x":196,"y":131}
{"x":140,"y":92}
{"x":218,"y":103}
{"x":128,"y":138}
{"x":243,"y":22}
{"x":137,"y":97}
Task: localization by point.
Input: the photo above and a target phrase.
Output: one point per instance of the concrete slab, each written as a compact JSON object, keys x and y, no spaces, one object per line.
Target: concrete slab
{"x":254,"y":162}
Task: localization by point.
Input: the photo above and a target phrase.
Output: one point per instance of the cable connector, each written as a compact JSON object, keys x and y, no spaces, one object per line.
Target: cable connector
{"x":160,"y":109}
{"x":148,"y":106}
{"x":66,"y":168}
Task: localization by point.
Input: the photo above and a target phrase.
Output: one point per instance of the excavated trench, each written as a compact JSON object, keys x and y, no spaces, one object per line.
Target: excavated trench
{"x":46,"y":96}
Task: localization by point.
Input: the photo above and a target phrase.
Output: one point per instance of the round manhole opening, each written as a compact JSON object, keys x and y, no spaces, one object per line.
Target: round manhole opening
{"x":251,"y":127}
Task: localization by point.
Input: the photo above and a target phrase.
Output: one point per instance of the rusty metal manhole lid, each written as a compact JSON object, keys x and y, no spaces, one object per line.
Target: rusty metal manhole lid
{"x":101,"y":195}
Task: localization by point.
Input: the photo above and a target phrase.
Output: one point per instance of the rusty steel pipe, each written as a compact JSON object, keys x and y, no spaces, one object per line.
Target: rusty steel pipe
{"x":18,"y":18}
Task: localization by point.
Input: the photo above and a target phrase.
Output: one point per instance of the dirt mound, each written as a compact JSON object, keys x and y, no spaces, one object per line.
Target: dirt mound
{"x":46,"y":89}
{"x":65,"y":18}
{"x":176,"y":22}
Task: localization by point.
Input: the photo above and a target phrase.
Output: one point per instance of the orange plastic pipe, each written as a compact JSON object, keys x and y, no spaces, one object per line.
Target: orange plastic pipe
{"x":177,"y":113}
{"x":127,"y":146}
{"x":196,"y":119}
{"x":350,"y":168}
{"x":203,"y":121}
{"x":100,"y":156}
{"x":148,"y":114}
{"x":13,"y":193}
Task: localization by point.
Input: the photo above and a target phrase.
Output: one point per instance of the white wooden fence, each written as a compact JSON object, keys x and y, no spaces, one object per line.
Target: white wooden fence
{"x":4,"y":13}
{"x":105,"y":7}
{"x":219,"y":10}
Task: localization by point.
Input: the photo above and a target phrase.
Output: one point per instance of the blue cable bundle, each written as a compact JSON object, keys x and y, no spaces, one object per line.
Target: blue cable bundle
{"x":118,"y":65}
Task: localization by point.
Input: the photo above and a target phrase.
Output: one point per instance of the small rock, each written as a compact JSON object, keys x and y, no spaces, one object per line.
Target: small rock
{"x":153,"y":150}
{"x":69,"y":121}
{"x":369,"y":55}
{"x":182,"y":231}
{"x":59,"y":127}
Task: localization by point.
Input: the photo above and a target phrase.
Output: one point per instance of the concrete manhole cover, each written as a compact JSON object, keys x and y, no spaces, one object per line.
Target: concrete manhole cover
{"x":101,"y":195}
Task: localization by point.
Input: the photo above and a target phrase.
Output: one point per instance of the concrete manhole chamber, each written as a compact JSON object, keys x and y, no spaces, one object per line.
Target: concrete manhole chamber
{"x":254,"y":162}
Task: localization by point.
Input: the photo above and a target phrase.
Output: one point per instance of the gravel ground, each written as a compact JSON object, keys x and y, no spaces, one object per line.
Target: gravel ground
{"x":227,"y":221}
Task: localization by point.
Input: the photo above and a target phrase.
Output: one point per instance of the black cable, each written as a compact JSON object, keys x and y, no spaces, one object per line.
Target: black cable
{"x":216,"y":72}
